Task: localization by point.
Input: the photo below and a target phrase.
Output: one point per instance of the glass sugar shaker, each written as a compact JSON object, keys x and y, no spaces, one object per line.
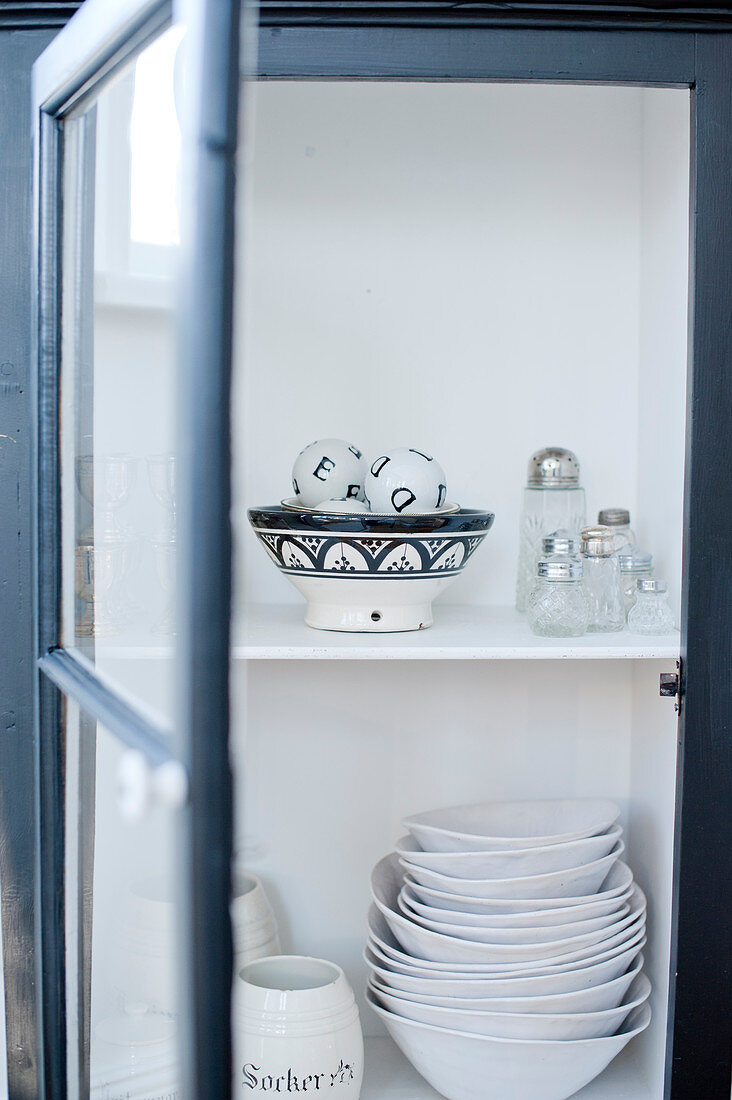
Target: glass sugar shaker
{"x":634,"y":563}
{"x":602,"y":579}
{"x":558,"y":606}
{"x":619,"y":520}
{"x":553,"y":498}
{"x":651,"y":613}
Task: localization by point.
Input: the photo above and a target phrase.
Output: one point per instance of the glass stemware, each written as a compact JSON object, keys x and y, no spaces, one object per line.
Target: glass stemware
{"x":105,"y":483}
{"x":161,"y":476}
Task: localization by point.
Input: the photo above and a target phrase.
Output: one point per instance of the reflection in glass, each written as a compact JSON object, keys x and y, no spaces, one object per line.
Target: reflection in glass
{"x":155,"y":143}
{"x":121,"y":928}
{"x":118,"y":384}
{"x":161,"y":472}
{"x":165,"y":561}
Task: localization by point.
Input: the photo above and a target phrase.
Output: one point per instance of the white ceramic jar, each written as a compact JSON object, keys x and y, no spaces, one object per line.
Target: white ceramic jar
{"x":146,"y":967}
{"x":254,"y":924}
{"x":296,"y":1029}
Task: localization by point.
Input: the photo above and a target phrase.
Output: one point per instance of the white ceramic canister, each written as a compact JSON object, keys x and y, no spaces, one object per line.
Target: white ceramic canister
{"x":254,"y":924}
{"x":134,"y":1057}
{"x":296,"y":1029}
{"x":146,"y":970}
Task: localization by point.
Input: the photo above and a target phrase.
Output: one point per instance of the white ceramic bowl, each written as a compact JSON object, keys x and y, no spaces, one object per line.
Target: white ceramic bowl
{"x":485,"y":933}
{"x":471,"y":1067}
{"x":498,"y":826}
{"x":512,"y":862}
{"x":382,"y":940}
{"x":367,"y":572}
{"x":422,"y":943}
{"x":424,"y":968}
{"x":595,"y":999}
{"x":536,"y":919}
{"x":512,"y":1025}
{"x":574,"y":882}
{"x":618,"y":884}
{"x":427,"y":946}
{"x":567,"y":980}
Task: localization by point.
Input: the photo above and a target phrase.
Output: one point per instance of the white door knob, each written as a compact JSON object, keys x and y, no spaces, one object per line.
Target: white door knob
{"x":141,"y":787}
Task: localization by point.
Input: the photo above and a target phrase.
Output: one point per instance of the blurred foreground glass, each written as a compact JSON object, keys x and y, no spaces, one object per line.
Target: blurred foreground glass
{"x":121,"y":244}
{"x":121,"y":926}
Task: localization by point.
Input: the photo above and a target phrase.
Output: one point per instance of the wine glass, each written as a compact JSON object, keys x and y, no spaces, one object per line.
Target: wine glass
{"x":165,"y":562}
{"x":105,"y":483}
{"x":162,"y":479}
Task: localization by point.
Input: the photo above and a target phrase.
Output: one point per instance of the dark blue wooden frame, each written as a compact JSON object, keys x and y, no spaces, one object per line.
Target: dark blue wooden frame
{"x":313,"y":44}
{"x":19,"y":820}
{"x":96,"y":47}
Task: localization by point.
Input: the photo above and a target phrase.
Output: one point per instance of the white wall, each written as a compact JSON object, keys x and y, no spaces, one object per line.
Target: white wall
{"x":463,"y":268}
{"x":663,"y":327}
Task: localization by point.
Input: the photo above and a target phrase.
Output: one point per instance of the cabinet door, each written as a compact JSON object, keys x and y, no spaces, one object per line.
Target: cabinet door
{"x":135,"y":114}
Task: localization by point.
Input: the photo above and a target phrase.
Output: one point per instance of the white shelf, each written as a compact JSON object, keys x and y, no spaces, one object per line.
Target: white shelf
{"x":278,"y":632}
{"x":389,"y":1076}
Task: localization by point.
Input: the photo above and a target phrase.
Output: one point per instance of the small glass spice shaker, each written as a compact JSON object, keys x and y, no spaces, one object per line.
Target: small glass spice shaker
{"x":602,"y":579}
{"x":634,"y":563}
{"x":619,"y":520}
{"x":553,"y":498}
{"x":558,"y":606}
{"x":651,"y":613}
{"x":560,"y":542}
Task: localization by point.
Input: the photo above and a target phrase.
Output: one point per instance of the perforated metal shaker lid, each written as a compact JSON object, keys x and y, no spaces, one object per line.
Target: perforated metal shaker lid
{"x":632,"y":557}
{"x":560,"y":568}
{"x":597,"y":542}
{"x":560,"y":542}
{"x":553,"y":468}
{"x":614,"y":517}
{"x":649,"y":584}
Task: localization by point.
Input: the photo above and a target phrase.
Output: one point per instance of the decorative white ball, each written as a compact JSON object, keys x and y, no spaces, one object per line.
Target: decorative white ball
{"x":329,"y":468}
{"x":343,"y":505}
{"x":405,"y":480}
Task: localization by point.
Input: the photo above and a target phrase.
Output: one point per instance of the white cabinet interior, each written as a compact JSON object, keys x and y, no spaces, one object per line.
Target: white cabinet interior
{"x":478,"y":270}
{"x":330,"y":756}
{"x":475,"y":269}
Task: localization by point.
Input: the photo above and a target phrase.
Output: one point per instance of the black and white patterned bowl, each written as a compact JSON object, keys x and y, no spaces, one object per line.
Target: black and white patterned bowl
{"x":360,"y":571}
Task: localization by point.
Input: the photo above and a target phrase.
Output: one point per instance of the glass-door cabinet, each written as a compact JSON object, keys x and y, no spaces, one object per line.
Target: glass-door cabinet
{"x":443,"y":241}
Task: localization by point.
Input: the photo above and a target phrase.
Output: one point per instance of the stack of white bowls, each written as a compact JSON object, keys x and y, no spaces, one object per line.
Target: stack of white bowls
{"x":505,"y":947}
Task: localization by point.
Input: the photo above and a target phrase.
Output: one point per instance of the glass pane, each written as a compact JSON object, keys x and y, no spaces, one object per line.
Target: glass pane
{"x":121,"y":928}
{"x":121,"y":244}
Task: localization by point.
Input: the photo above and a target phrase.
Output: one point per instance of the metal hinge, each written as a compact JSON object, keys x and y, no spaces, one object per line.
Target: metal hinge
{"x":670,"y":686}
